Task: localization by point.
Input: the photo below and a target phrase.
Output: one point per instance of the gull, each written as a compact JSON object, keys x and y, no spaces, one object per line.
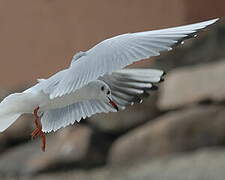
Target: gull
{"x":95,"y":81}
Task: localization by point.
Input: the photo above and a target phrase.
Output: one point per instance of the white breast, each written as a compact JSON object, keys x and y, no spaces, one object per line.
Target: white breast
{"x":82,"y":94}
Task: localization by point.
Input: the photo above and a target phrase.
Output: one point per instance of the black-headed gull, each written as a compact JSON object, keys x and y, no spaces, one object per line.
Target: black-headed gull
{"x":94,"y":82}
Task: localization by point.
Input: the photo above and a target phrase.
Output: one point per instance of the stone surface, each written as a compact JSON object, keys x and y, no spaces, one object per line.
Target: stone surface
{"x":14,"y":161}
{"x":129,"y":118}
{"x":68,"y":147}
{"x":177,"y":131}
{"x":206,"y":164}
{"x":190,"y":85}
{"x":17,"y":133}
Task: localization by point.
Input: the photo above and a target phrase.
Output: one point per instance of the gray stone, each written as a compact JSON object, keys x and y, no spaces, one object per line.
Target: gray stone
{"x":201,"y":165}
{"x":190,"y":85}
{"x":178,"y":131}
{"x":205,"y":164}
{"x":68,"y":146}
{"x":14,"y":161}
{"x":17,"y":133}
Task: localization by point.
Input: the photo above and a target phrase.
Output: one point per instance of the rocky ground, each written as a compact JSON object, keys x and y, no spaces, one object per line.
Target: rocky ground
{"x":177,"y":133}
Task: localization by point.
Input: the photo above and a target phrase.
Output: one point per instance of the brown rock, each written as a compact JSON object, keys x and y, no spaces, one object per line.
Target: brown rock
{"x":131,"y":117}
{"x":14,"y":161}
{"x":17,"y":133}
{"x":193,"y":84}
{"x":190,"y":166}
{"x":69,"y":146}
{"x":179,"y":131}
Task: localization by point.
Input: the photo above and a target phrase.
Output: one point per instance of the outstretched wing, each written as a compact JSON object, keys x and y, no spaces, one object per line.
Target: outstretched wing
{"x":117,"y":52}
{"x":129,"y":86}
{"x":54,"y":119}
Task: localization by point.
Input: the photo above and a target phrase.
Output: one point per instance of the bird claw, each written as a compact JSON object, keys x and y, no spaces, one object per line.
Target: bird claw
{"x":38,"y":131}
{"x":34,"y":134}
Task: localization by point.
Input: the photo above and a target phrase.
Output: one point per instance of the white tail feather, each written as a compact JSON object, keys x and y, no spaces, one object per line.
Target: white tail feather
{"x":7,"y":120}
{"x":11,"y":108}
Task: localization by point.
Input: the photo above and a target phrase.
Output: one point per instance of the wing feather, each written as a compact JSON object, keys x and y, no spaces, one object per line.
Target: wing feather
{"x":129,"y":86}
{"x":126,"y":86}
{"x":54,"y":119}
{"x":117,"y":52}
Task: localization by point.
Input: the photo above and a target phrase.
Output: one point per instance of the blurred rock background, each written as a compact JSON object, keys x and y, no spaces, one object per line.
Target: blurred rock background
{"x":176,"y":133}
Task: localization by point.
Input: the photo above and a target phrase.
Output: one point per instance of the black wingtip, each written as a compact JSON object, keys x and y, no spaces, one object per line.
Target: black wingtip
{"x":161,"y":80}
{"x":154,"y":88}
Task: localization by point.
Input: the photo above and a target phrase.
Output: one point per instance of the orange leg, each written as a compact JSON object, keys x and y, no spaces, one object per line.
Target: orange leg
{"x":38,"y":131}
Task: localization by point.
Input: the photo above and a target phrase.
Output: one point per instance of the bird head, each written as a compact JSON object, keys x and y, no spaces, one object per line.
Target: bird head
{"x":105,"y":93}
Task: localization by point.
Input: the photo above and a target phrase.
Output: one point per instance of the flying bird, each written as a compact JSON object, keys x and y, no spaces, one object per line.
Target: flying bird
{"x":95,"y":81}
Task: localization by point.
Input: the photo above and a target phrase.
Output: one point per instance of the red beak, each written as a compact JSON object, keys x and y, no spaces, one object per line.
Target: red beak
{"x":113,"y":104}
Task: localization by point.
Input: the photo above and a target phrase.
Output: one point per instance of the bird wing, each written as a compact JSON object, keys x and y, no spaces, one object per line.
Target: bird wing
{"x":55,"y":119}
{"x":129,"y":86}
{"x":49,"y":84}
{"x":117,"y":52}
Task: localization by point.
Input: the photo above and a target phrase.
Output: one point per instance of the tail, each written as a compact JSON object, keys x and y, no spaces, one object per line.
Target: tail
{"x":8,"y":119}
{"x":11,"y":109}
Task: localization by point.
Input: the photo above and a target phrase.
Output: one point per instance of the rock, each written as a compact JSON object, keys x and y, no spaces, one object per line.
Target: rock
{"x":177,"y":131}
{"x":17,"y":133}
{"x":207,"y":164}
{"x":70,"y":146}
{"x":129,"y":118}
{"x":15,"y":160}
{"x":193,"y":84}
{"x":191,"y":166}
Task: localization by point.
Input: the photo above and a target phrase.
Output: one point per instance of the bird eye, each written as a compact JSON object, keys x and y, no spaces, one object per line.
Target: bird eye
{"x":108,"y":92}
{"x":102,"y":88}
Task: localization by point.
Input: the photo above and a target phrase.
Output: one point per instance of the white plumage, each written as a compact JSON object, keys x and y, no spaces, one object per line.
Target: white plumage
{"x":117,"y":52}
{"x":94,"y":77}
